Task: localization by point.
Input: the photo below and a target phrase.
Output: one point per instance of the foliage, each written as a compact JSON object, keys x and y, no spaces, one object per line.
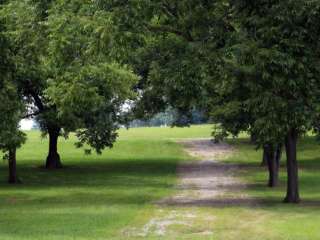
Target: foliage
{"x":11,"y":107}
{"x":11,"y":112}
{"x":67,"y":67}
{"x":178,"y":54}
{"x":273,"y":82}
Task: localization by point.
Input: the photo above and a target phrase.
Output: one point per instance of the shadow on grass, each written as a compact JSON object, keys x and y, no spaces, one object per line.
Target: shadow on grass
{"x":94,"y":173}
{"x":97,"y":183}
{"x":137,"y":181}
{"x":239,"y":202}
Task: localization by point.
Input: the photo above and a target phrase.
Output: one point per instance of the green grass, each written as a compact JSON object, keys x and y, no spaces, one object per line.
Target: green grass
{"x":97,"y":196}
{"x":94,"y":196}
{"x":272,"y":219}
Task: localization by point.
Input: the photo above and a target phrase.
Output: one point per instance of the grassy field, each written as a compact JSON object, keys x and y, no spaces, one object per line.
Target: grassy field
{"x":273,"y":219}
{"x":97,"y":196}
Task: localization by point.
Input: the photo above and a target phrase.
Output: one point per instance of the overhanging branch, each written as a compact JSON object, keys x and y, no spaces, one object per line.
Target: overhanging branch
{"x":33,"y":114}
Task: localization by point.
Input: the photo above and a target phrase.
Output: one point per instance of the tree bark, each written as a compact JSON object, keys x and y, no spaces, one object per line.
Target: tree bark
{"x":292,"y":167}
{"x":12,"y":167}
{"x":53,"y":158}
{"x":253,"y":138}
{"x":264,"y":161}
{"x":279,"y":154}
{"x":273,"y":165}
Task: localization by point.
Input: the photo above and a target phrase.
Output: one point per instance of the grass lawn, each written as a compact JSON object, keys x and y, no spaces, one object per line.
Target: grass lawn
{"x":97,"y":196}
{"x":273,"y":219}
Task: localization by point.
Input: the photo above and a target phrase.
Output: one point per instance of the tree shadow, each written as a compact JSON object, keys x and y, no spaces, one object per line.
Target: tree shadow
{"x":94,"y":173}
{"x":243,"y":202}
{"x":145,"y":177}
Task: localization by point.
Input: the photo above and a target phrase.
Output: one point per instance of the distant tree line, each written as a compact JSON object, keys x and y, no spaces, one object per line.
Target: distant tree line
{"x":168,"y":118}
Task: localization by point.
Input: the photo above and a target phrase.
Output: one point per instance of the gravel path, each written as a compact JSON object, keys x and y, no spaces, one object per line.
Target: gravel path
{"x":207,"y":181}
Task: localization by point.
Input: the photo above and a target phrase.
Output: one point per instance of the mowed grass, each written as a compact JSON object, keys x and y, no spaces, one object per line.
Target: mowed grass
{"x":100,"y":196}
{"x":94,"y":196}
{"x":270,"y":218}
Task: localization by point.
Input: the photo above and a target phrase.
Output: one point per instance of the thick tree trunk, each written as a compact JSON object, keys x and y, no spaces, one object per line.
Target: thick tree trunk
{"x":12,"y":167}
{"x":292,"y":167}
{"x":273,"y":165}
{"x":53,"y":158}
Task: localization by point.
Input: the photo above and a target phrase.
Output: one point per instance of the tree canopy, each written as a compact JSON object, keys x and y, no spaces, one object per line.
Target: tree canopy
{"x":68,"y":71}
{"x":11,"y":107}
{"x":252,"y":66}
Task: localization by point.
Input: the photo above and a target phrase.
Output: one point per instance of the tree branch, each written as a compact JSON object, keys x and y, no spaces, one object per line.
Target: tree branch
{"x":37,"y":101}
{"x":172,"y":11}
{"x":29,"y":115}
{"x":168,"y":29}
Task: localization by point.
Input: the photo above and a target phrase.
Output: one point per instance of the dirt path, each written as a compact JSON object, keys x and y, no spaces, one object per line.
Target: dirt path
{"x":204,"y":182}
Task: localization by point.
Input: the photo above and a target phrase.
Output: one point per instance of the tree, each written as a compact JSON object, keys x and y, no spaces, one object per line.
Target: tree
{"x":266,"y":52}
{"x":27,"y":31}
{"x":229,"y":111}
{"x":89,"y":84}
{"x":277,"y":55}
{"x":11,"y":109}
{"x":182,"y":63}
{"x":11,"y":137}
{"x":177,"y":51}
{"x":67,"y":69}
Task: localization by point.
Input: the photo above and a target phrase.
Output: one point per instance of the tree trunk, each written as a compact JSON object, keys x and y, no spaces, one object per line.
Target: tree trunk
{"x":264,"y":161}
{"x":53,"y":158}
{"x":253,"y":138}
{"x":12,"y":167}
{"x":273,"y":166}
{"x":292,"y":167}
{"x":278,"y":154}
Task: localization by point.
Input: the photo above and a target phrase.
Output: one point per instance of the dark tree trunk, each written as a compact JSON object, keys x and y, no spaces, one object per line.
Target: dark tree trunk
{"x":273,"y":165}
{"x":53,"y":158}
{"x":253,"y":138}
{"x":279,"y":154}
{"x":264,"y":161}
{"x":12,"y":166}
{"x":292,"y":167}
